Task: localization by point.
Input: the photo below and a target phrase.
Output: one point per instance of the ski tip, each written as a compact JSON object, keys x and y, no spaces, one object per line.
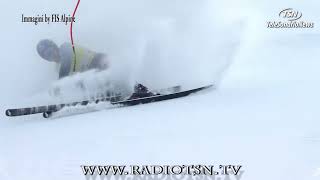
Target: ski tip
{"x":8,"y":113}
{"x":211,"y":86}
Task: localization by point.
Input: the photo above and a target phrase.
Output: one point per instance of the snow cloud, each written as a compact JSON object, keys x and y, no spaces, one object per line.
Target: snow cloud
{"x":158,"y":43}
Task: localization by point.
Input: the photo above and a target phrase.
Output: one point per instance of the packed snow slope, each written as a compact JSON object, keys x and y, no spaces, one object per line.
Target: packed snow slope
{"x":264,"y":115}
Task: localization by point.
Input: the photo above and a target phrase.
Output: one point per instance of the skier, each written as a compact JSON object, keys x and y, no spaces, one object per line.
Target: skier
{"x":82,"y":60}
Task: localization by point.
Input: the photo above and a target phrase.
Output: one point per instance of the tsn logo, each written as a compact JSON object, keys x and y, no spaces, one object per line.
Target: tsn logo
{"x":290,"y":14}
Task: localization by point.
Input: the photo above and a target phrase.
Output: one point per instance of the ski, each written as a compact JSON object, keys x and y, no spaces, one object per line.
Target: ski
{"x":48,"y":109}
{"x":156,"y":98}
{"x":145,"y":100}
{"x":160,"y":95}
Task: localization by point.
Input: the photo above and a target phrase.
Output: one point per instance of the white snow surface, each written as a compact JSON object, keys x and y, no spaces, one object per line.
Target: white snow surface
{"x":264,"y":115}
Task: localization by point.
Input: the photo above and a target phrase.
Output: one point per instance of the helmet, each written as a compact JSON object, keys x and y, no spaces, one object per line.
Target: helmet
{"x":48,"y":50}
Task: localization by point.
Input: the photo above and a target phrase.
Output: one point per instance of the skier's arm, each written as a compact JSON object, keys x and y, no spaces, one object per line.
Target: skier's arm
{"x":65,"y":60}
{"x":65,"y":68}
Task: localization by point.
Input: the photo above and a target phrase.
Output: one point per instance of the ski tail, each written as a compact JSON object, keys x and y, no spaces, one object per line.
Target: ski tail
{"x":55,"y":107}
{"x":33,"y":110}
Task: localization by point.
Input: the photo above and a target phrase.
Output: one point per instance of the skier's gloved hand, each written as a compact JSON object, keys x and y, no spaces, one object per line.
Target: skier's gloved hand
{"x":139,"y":88}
